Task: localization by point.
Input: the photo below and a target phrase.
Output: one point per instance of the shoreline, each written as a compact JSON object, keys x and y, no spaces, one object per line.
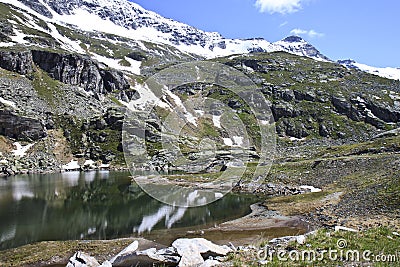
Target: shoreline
{"x":50,"y":253}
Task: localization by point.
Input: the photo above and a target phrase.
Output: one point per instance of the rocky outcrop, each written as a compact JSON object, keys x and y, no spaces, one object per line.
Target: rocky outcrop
{"x":284,"y":110}
{"x":193,"y":251}
{"x":38,"y":7}
{"x":384,"y":112}
{"x":81,"y":259}
{"x":343,"y":106}
{"x":70,"y":69}
{"x":17,"y":61}
{"x":19,"y":127}
{"x":6,"y":30}
{"x":184,"y":252}
{"x":80,"y":70}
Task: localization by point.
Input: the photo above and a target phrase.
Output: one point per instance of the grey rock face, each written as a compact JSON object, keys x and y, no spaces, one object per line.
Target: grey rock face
{"x":6,"y":30}
{"x":343,"y":106}
{"x":20,"y":128}
{"x":20,"y":62}
{"x":284,"y":110}
{"x":38,"y":7}
{"x":79,"y":70}
{"x":383,"y":112}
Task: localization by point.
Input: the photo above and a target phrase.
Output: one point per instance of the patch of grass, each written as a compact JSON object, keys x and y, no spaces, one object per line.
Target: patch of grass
{"x":298,"y":198}
{"x":364,"y":248}
{"x":48,"y":253}
{"x":47,"y":88}
{"x":115,"y":101}
{"x":124,"y":62}
{"x":379,"y":145}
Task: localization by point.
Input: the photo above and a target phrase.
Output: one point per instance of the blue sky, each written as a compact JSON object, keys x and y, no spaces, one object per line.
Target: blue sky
{"x":366,"y":31}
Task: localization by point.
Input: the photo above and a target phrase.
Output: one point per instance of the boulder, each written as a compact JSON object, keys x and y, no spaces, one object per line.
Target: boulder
{"x":81,"y":259}
{"x":283,"y":110}
{"x":124,"y":253}
{"x":210,"y":263}
{"x":323,"y":131}
{"x":193,"y":251}
{"x":148,"y":257}
{"x":384,"y":112}
{"x":342,"y":228}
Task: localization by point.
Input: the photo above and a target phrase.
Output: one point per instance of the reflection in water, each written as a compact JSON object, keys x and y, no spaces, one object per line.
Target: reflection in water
{"x":170,"y":213}
{"x":8,"y":234}
{"x":21,"y":189}
{"x":96,"y":205}
{"x":184,"y":196}
{"x":72,"y":178}
{"x":150,"y":221}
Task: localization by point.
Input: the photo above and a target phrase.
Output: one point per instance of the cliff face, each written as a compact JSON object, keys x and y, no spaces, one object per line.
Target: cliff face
{"x":20,"y":127}
{"x":20,"y":62}
{"x":70,"y":69}
{"x":79,"y":70}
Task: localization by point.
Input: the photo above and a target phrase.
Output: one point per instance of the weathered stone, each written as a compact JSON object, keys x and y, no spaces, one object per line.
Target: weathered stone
{"x":323,"y":131}
{"x":21,"y":128}
{"x":384,"y":112}
{"x":148,"y":257}
{"x":283,"y":110}
{"x":192,"y":251}
{"x":346,"y":108}
{"x":210,"y":263}
{"x":287,"y":95}
{"x":81,"y":259}
{"x":114,"y":80}
{"x":125,"y":253}
{"x":79,"y":70}
{"x":20,"y":62}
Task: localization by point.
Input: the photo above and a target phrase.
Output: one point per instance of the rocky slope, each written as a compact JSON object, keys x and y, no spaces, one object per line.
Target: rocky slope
{"x":65,"y":86}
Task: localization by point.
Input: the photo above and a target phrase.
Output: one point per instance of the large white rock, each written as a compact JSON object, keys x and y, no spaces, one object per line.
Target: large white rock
{"x":81,"y":259}
{"x":301,"y":239}
{"x":106,"y":264}
{"x":191,"y":250}
{"x":128,"y":250}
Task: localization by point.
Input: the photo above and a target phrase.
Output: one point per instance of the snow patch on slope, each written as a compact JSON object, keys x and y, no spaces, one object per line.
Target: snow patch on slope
{"x":21,"y":150}
{"x":115,"y":63}
{"x":8,"y":103}
{"x":390,"y":73}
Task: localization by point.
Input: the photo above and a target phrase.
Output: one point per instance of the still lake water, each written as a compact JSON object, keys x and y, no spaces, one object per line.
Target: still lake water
{"x":96,"y":205}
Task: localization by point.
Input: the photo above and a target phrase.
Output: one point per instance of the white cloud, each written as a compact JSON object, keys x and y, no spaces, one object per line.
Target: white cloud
{"x":279,"y":6}
{"x":309,"y":33}
{"x":298,"y":32}
{"x":283,"y":24}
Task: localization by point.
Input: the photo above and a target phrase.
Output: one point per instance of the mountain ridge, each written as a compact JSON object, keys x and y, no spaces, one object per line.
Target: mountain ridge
{"x":128,"y":19}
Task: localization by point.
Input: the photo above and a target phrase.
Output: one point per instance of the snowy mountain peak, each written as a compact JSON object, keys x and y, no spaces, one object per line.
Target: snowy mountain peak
{"x":129,"y":20}
{"x":294,"y":39}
